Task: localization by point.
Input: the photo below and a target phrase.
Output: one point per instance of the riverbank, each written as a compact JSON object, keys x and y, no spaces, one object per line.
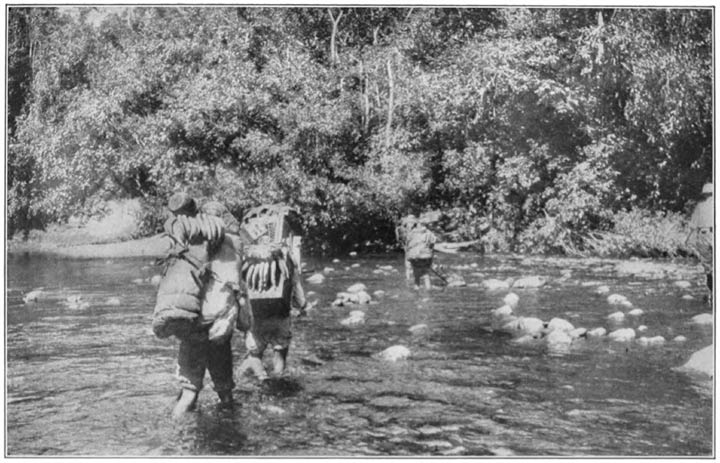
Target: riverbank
{"x":154,"y":246}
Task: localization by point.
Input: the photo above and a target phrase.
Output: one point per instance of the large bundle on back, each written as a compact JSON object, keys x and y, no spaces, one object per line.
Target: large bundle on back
{"x":266,"y":271}
{"x":180,"y":293}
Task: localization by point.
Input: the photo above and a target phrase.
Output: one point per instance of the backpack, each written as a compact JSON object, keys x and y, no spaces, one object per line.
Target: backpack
{"x":420,"y":243}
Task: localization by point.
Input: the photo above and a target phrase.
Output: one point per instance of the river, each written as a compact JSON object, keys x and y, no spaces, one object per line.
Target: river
{"x":87,"y":377}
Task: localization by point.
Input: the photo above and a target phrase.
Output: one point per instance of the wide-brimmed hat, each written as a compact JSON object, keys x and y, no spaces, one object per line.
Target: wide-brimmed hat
{"x":707,"y":189}
{"x":182,"y":203}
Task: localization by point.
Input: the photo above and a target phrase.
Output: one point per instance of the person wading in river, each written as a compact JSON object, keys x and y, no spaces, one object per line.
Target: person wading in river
{"x":418,"y":243}
{"x":701,"y":234}
{"x":180,"y":295}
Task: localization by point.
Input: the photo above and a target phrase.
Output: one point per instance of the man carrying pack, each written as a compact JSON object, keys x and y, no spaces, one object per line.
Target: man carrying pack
{"x":701,"y":233}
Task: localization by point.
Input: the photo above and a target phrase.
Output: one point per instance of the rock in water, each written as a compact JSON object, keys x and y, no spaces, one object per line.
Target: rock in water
{"x":494,"y":284}
{"x":703,"y":319}
{"x":602,"y":290}
{"x":455,"y":281}
{"x":32,"y":296}
{"x":560,"y":324}
{"x":502,"y":312}
{"x":417,"y":329}
{"x":618,"y":299}
{"x":616,"y":317}
{"x":357,"y":317}
{"x":529,"y":282}
{"x":356,"y":288}
{"x":558,"y":338}
{"x":622,"y":335}
{"x":636,"y":312}
{"x":316,"y":278}
{"x":701,"y":363}
{"x":511,"y":300}
{"x":596,"y":333}
{"x":394,"y":354}
{"x":524,"y":325}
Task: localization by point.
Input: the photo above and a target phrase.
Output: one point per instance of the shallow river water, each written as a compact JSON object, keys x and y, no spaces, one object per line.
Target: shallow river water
{"x":89,"y":378}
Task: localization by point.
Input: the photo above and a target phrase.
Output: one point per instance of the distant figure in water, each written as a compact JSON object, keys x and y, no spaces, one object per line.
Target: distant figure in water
{"x":701,"y":234}
{"x":418,"y":243}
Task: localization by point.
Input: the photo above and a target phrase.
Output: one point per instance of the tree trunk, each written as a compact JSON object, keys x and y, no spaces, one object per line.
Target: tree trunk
{"x":391,"y":96}
{"x":333,"y":35}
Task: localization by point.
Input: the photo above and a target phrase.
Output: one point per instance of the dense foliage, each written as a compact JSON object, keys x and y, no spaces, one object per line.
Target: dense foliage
{"x":545,"y":123}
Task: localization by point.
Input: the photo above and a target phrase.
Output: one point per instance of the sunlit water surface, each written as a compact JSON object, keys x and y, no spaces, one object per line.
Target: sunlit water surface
{"x":93,"y":380}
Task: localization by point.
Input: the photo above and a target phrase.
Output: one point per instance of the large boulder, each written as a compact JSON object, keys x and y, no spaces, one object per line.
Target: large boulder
{"x":701,"y":363}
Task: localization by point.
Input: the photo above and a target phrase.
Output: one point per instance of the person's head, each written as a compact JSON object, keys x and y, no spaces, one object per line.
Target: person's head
{"x":182,"y":204}
{"x":707,"y":190}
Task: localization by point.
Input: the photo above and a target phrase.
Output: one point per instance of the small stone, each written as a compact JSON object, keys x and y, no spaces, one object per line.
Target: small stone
{"x":357,"y":317}
{"x":596,"y":333}
{"x":355,"y":265}
{"x":336,"y":261}
{"x":32,"y":296}
{"x":525,"y":325}
{"x":616,"y":317}
{"x":493,"y":284}
{"x":642,"y":328}
{"x":703,"y":319}
{"x":602,"y":290}
{"x":529,"y":282}
{"x":511,"y":300}
{"x":328,"y":270}
{"x":636,"y":312}
{"x":557,"y":338}
{"x":316,"y":278}
{"x":680,"y":338}
{"x":138,"y":281}
{"x":394,"y":353}
{"x":618,"y":299}
{"x":622,"y":335}
{"x":688,"y":297}
{"x":419,"y":328}
{"x":155,"y":280}
{"x":379,"y":293}
{"x":682,"y":284}
{"x":357,"y":287}
{"x":502,"y":312}
{"x":578,"y":333}
{"x":560,"y":325}
{"x":113,"y":301}
{"x":352,"y":254}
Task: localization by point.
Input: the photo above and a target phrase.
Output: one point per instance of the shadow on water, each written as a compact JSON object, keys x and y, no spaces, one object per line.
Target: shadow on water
{"x":91,"y":379}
